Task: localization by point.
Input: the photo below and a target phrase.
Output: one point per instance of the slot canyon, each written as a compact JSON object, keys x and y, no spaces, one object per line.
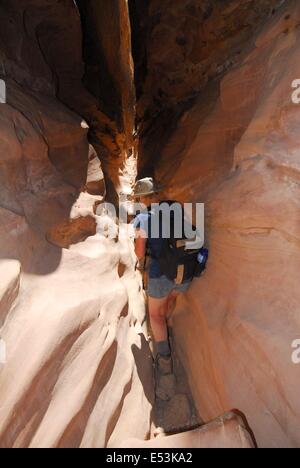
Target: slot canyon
{"x":198,"y":94}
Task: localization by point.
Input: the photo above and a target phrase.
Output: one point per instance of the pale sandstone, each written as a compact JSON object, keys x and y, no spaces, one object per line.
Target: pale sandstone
{"x":228,"y":431}
{"x":73,"y":329}
{"x":10,"y":283}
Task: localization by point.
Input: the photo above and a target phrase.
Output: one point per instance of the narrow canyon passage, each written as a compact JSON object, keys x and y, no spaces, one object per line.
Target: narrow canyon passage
{"x":197,"y":94}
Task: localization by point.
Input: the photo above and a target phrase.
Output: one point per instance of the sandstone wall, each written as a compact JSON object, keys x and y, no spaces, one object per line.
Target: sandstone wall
{"x":77,"y":367}
{"x":237,"y":150}
{"x":187,"y":45}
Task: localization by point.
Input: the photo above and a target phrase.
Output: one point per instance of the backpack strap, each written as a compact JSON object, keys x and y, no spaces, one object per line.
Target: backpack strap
{"x":180,"y":275}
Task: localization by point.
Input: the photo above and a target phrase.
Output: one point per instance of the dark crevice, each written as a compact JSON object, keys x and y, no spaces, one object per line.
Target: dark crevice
{"x":138,"y":10}
{"x":97,"y":78}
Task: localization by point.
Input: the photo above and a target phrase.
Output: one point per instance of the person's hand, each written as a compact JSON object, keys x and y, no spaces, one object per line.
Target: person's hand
{"x":140,"y":265}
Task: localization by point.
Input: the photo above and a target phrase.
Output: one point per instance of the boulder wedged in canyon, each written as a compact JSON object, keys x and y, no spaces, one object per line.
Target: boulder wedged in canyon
{"x":237,"y":150}
{"x":228,"y":431}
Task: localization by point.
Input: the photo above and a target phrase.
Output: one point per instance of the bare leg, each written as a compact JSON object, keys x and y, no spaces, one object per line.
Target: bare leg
{"x":158,"y":310}
{"x":172,"y":303}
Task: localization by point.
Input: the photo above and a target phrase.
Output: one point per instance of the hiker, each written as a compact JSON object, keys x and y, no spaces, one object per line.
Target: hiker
{"x":164,"y":285}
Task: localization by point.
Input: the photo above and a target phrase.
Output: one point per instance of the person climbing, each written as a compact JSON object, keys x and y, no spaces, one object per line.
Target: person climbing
{"x":171,"y":268}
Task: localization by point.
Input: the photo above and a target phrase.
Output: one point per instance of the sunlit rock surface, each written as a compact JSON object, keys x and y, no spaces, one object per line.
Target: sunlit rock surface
{"x":78,"y":368}
{"x":72,"y":328}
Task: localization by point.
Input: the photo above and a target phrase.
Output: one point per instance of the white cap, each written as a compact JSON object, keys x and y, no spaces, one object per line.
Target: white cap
{"x":146,"y":186}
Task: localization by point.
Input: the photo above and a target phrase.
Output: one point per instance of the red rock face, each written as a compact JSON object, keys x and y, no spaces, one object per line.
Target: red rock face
{"x":188,"y":44}
{"x":192,"y":41}
{"x":109,"y":76}
{"x":237,"y":150}
{"x":31,"y":35}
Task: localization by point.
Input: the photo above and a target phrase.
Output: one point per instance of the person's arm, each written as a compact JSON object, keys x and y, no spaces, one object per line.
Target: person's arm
{"x":140,"y":226}
{"x":140,"y":244}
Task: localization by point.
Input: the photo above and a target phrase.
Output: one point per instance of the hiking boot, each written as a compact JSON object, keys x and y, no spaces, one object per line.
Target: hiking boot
{"x":164,"y":365}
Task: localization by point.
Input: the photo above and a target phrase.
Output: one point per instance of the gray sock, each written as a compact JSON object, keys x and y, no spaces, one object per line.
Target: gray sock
{"x":163,"y":348}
